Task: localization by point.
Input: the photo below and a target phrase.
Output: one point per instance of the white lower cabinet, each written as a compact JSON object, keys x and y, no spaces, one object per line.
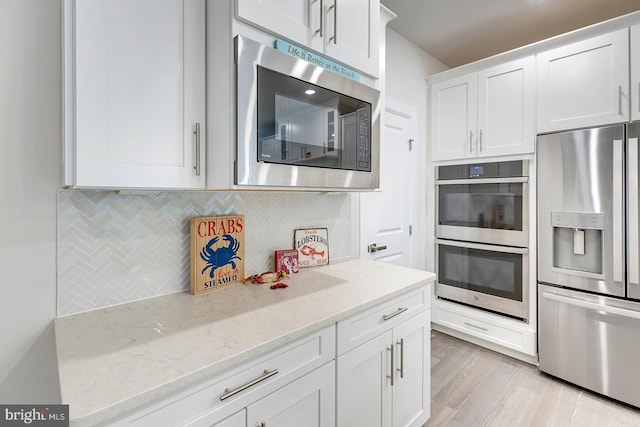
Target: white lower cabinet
{"x":386,"y":380}
{"x":308,"y":401}
{"x":370,"y":369}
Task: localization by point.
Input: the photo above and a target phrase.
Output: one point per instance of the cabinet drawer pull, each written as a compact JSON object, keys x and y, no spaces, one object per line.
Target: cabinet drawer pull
{"x":392,"y":315}
{"x":477,"y":327}
{"x":471,"y":141}
{"x":481,"y":140}
{"x":401,"y":368}
{"x":266,"y":374}
{"x":392,"y":364}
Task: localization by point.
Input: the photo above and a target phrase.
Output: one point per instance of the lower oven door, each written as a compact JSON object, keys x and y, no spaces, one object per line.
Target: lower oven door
{"x":494,"y":278}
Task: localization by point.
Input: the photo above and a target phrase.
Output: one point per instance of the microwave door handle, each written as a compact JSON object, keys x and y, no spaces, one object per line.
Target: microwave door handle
{"x":634,"y":244}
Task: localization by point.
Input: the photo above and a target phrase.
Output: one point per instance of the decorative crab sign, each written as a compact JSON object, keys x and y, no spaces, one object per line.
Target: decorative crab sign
{"x":217,"y":252}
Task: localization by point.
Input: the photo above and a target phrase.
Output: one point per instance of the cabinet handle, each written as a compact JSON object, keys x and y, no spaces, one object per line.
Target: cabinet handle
{"x":477,"y":327}
{"x":401,"y":368}
{"x":639,"y":97}
{"x":196,"y":132}
{"x":619,"y":100}
{"x":471,"y":141}
{"x":335,"y":22}
{"x":481,"y":140}
{"x":266,"y":374}
{"x":400,"y":310}
{"x":392,"y":370}
{"x":319,"y":30}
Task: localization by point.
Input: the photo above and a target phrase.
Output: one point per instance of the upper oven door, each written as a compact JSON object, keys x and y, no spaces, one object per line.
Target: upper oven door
{"x":300,"y":125}
{"x":489,"y":210}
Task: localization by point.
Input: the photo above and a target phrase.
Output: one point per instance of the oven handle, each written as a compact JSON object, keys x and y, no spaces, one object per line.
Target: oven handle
{"x":494,"y":248}
{"x":517,"y":179}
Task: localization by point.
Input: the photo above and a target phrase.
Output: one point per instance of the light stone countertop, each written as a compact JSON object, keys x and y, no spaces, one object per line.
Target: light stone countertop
{"x":116,"y":359}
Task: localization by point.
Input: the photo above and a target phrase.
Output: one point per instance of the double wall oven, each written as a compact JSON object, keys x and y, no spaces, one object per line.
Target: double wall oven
{"x":482,"y":236}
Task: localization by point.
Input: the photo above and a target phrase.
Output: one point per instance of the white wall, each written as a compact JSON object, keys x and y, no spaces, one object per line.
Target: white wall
{"x":407,"y":67}
{"x":30,"y":175}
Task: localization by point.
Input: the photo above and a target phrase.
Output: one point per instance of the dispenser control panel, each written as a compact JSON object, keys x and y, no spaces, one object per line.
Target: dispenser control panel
{"x":580,"y":220}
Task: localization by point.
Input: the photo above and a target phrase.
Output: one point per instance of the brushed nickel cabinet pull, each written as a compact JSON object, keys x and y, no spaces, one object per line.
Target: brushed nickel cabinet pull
{"x":266,"y":374}
{"x":401,"y":368}
{"x":639,"y":97}
{"x":392,"y":370}
{"x":481,"y":140}
{"x":392,"y":315}
{"x":335,"y":22}
{"x":196,"y":132}
{"x":619,"y":100}
{"x":319,"y":30}
{"x":471,"y":141}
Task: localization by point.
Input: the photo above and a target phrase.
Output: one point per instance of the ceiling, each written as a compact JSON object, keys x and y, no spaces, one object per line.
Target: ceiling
{"x":457,"y":32}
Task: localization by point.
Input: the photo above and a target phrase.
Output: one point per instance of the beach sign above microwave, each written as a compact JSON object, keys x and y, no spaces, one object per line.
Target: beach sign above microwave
{"x":315,"y":59}
{"x":217,"y":252}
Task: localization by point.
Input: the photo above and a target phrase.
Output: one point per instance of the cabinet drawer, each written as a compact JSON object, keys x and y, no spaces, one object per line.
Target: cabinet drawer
{"x":494,"y":331}
{"x":363,"y":326}
{"x":220,"y":397}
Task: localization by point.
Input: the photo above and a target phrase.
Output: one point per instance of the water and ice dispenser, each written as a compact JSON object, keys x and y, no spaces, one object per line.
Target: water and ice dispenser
{"x":578,"y":242}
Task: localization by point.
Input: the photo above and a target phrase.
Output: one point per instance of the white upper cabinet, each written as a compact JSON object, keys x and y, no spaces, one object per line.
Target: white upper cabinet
{"x":454,"y":118}
{"x":345,"y":30}
{"x":635,"y":73}
{"x":584,"y":83}
{"x":138,"y":98}
{"x":488,"y":113}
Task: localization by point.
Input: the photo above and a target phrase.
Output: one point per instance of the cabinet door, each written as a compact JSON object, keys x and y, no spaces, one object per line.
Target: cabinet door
{"x":139,"y":92}
{"x":296,"y":20}
{"x":454,"y":118}
{"x":308,"y":401}
{"x":352,"y":33}
{"x":635,"y":73}
{"x":584,"y":84}
{"x":411,"y":389}
{"x":505,"y":109}
{"x":364,"y":389}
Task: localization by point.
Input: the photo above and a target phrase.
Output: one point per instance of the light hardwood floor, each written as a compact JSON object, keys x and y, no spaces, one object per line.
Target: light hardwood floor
{"x":474,"y":386}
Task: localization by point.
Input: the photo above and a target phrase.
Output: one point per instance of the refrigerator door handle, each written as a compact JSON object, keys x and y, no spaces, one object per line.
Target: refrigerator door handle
{"x":618,"y":215}
{"x":632,"y":189}
{"x":592,"y":305}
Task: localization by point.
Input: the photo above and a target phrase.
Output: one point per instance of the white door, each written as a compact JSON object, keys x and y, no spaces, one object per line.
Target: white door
{"x":140,"y":93}
{"x":584,"y":83}
{"x":386,"y":215}
{"x":308,"y":401}
{"x":364,"y":387}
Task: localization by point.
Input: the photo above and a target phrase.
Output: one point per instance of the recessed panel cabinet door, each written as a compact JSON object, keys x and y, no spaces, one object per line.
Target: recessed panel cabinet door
{"x":139,"y":93}
{"x":584,"y":84}
{"x":635,"y":73}
{"x":506,"y":108}
{"x":454,"y":118}
{"x":352,"y":33}
{"x":411,"y":388}
{"x":308,"y":401}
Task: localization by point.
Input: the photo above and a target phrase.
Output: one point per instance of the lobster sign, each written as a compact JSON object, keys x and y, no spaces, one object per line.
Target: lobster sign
{"x":217,"y":252}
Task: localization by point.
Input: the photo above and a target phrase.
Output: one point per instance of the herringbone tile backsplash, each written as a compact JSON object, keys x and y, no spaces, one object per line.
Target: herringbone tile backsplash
{"x":115,"y":248}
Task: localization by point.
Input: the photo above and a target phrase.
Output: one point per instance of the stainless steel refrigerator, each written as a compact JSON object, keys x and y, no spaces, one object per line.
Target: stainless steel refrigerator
{"x":588,"y":257}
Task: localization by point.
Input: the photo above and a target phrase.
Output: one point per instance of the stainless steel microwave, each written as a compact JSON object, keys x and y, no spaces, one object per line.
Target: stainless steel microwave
{"x":301,"y":125}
